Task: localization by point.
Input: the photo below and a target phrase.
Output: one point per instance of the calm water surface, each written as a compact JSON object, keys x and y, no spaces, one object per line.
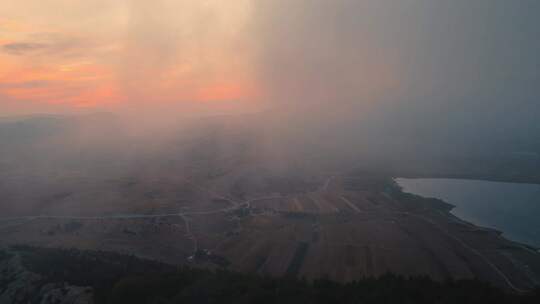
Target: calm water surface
{"x":511,"y":208}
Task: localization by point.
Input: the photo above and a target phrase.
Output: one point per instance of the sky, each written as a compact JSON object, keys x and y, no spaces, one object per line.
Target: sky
{"x":413,"y":64}
{"x":63,"y":55}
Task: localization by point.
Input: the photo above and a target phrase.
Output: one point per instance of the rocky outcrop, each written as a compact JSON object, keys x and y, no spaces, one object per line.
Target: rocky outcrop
{"x":19,"y":285}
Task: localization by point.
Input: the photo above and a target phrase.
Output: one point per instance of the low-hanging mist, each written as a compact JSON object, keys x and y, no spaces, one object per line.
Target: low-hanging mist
{"x":343,"y":81}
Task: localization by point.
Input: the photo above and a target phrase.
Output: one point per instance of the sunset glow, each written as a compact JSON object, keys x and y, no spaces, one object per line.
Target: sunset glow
{"x":274,"y":151}
{"x":101,"y":54}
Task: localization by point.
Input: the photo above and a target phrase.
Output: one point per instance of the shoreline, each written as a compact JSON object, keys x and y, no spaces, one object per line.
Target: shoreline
{"x":452,"y":213}
{"x":470,"y":178}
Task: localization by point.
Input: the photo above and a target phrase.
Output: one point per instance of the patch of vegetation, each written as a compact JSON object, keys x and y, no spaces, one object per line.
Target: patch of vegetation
{"x":70,"y":227}
{"x":73,"y":226}
{"x":120,"y":278}
{"x":205,"y":255}
{"x":4,"y":255}
{"x":413,"y":201}
{"x":298,"y":259}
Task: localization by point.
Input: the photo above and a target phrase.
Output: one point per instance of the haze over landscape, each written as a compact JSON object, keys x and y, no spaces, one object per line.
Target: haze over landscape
{"x":264,"y":137}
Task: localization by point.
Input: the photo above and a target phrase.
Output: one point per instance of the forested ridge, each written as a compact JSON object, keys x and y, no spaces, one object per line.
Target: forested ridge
{"x":117,"y":278}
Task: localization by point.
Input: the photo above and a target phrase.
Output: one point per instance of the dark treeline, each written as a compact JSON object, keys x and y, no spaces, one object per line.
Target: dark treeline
{"x":118,"y":278}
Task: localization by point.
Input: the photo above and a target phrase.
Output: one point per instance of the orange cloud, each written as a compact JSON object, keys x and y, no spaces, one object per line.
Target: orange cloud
{"x":76,"y":84}
{"x":103,"y":53}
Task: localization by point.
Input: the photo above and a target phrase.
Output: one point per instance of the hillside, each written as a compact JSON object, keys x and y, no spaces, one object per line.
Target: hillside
{"x":73,"y":276}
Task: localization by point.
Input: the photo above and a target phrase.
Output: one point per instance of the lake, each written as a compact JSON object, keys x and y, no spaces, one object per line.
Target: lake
{"x":511,"y":208}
